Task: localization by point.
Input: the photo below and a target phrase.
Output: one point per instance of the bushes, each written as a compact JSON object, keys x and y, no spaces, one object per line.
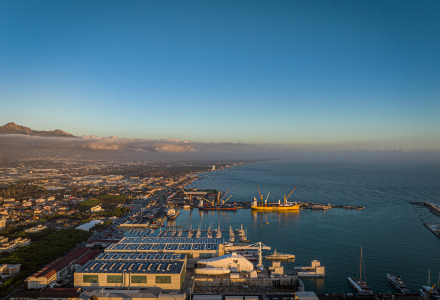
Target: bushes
{"x":99,"y":227}
{"x":122,"y":199}
{"x":89,"y":203}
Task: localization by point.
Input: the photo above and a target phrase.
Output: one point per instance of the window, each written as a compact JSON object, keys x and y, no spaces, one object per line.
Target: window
{"x":163,"y":279}
{"x":189,"y":255}
{"x":205,"y":255}
{"x":138,"y":279}
{"x":90,"y":278}
{"x":114,"y":278}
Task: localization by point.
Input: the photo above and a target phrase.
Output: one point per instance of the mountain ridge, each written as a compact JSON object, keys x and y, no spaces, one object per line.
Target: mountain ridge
{"x":12,"y":128}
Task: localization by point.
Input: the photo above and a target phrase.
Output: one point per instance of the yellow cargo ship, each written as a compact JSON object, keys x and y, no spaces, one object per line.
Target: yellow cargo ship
{"x":274,"y":206}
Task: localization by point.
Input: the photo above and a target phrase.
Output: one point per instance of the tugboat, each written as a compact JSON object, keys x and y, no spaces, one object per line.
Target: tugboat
{"x":278,"y":256}
{"x":172,"y":213}
{"x":357,"y":283}
{"x":398,"y":283}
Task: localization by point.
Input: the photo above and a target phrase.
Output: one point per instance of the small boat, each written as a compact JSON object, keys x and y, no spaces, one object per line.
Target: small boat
{"x":209,"y":233}
{"x":186,"y":206}
{"x":277,"y":255}
{"x":241,"y":231}
{"x":172,"y":213}
{"x":357,"y":283}
{"x":398,"y":283}
{"x":243,"y":238}
{"x":231,"y":235}
{"x":218,"y":233}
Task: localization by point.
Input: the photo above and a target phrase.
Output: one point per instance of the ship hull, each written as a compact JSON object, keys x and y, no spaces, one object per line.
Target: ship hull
{"x":217,"y":208}
{"x":173,"y":216}
{"x":360,"y":286}
{"x":399,"y":285}
{"x":276,"y":208}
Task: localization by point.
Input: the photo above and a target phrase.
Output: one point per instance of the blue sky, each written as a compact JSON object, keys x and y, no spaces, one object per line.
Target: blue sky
{"x":356,"y":74}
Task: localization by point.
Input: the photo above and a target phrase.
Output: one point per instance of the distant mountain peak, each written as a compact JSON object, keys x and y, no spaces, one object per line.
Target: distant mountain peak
{"x":12,"y":128}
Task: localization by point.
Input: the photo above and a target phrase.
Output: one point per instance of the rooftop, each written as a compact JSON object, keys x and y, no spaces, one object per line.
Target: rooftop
{"x":141,"y":256}
{"x":130,"y":266}
{"x":169,"y":240}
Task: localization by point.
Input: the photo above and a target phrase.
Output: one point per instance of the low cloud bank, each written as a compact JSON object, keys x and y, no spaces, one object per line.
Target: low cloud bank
{"x":23,"y":146}
{"x":114,"y":143}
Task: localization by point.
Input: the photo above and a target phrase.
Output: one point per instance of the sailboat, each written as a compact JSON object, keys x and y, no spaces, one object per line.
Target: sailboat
{"x":231,"y":235}
{"x":427,"y":290}
{"x":357,"y":283}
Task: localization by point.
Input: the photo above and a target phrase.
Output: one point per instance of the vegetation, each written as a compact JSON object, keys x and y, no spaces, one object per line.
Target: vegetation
{"x":117,"y":212}
{"x":89,"y":203}
{"x":121,"y":199}
{"x":42,"y":252}
{"x":101,"y":226}
{"x":13,"y":233}
{"x":22,"y":191}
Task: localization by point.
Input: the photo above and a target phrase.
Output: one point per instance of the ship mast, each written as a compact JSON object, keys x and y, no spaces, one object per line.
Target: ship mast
{"x":360,"y":267}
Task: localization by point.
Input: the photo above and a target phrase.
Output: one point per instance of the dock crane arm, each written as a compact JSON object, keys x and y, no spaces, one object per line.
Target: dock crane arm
{"x":220,"y":200}
{"x":187,"y":196}
{"x":261,"y":196}
{"x":290,"y":193}
{"x":227,"y":199}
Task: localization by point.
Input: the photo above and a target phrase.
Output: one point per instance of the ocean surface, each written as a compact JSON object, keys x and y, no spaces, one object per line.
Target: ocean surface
{"x":389,"y":230}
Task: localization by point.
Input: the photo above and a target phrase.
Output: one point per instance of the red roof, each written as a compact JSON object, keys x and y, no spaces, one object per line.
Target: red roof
{"x":92,"y":254}
{"x":60,"y":263}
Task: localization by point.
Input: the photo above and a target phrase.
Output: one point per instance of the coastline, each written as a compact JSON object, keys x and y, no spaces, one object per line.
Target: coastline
{"x":199,"y":176}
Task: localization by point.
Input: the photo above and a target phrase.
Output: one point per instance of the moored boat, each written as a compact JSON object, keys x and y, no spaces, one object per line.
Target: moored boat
{"x":264,"y":205}
{"x":172,"y":213}
{"x":358,"y":284}
{"x":277,"y":255}
{"x":398,"y":283}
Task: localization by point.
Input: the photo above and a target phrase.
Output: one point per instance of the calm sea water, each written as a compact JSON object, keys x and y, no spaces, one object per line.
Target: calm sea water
{"x":390,"y":231}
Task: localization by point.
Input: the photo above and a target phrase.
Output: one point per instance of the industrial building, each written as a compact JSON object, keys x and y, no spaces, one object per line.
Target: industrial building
{"x":128,"y":270}
{"x":194,"y":248}
{"x":147,"y":294}
{"x":55,"y":271}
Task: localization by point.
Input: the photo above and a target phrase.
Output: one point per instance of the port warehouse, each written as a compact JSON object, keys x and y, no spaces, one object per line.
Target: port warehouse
{"x":121,"y":271}
{"x":57,"y":270}
{"x":194,"y":248}
{"x":146,"y":262}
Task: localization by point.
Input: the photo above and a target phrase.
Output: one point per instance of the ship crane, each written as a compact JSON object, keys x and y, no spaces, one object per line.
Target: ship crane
{"x":261,"y":196}
{"x":220,"y":199}
{"x":286,"y":198}
{"x":223,"y":202}
{"x":265,"y":201}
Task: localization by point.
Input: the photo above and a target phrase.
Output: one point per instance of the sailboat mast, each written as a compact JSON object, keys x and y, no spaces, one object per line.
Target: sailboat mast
{"x":360,"y":267}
